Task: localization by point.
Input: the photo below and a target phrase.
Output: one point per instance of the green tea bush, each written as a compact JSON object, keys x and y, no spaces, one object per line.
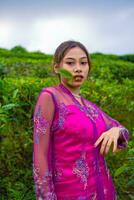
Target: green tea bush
{"x":105,"y":67}
{"x":16,"y":110}
{"x":23,"y":75}
{"x":18,"y":62}
{"x":129,"y":57}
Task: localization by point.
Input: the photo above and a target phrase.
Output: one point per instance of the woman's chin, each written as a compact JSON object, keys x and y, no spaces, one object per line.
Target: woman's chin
{"x":77,"y":83}
{"x":73,"y":83}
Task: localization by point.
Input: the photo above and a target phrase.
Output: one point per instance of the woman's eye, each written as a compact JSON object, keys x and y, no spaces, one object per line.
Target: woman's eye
{"x":70,"y":63}
{"x":83,"y":63}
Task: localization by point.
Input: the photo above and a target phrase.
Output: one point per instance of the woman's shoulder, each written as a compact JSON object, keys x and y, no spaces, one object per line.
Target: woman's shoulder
{"x":46,"y":94}
{"x":49,"y":92}
{"x":49,"y":89}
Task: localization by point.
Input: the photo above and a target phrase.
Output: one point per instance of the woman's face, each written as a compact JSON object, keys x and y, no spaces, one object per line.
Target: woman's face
{"x":75,"y":61}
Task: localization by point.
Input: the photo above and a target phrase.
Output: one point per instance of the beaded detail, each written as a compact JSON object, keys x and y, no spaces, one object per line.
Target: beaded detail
{"x":41,"y":124}
{"x":81,"y":169}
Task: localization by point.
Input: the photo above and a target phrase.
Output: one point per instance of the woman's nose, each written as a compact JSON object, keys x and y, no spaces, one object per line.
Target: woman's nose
{"x":77,"y":68}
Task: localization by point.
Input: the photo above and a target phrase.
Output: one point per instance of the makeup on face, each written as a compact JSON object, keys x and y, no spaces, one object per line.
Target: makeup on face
{"x":76,"y":62}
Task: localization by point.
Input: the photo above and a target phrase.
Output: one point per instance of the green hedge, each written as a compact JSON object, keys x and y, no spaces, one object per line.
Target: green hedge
{"x":23,"y":75}
{"x":18,"y":98}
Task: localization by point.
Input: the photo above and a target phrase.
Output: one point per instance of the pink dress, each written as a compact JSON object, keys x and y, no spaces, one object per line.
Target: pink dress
{"x":66,"y":165}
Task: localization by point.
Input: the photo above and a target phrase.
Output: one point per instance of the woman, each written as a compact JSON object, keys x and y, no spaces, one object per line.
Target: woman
{"x":72,"y":135}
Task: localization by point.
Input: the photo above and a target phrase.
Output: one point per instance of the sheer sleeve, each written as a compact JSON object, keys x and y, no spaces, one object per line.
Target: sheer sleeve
{"x":124,"y":133}
{"x":42,"y":170}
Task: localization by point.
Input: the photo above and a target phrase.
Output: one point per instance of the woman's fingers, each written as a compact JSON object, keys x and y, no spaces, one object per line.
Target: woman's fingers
{"x":108,"y":146}
{"x":115,"y":145}
{"x":103,"y":145}
{"x":99,"y":140}
{"x":106,"y":140}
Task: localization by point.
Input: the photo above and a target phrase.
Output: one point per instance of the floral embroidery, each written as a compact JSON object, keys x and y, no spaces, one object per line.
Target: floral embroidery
{"x":81,"y":169}
{"x":40,"y":123}
{"x":44,"y":185}
{"x":90,"y":111}
{"x":62,"y":114}
{"x":63,"y":111}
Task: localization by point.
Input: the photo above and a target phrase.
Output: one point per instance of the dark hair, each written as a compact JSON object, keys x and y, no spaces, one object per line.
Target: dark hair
{"x":64,"y":47}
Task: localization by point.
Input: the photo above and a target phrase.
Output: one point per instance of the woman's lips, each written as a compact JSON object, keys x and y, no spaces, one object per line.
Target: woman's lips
{"x":78,"y":77}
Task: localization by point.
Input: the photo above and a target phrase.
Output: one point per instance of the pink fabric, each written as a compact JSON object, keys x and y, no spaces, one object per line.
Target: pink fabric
{"x":66,"y":165}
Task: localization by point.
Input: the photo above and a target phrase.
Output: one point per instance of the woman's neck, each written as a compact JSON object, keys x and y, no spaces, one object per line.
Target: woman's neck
{"x":75,"y":90}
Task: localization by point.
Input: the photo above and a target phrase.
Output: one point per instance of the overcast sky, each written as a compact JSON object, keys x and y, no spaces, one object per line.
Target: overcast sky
{"x":101,"y":25}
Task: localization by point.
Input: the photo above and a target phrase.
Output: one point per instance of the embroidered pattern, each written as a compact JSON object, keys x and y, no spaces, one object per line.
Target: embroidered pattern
{"x":63,"y":111}
{"x":90,"y":111}
{"x":57,"y":172}
{"x":40,"y":124}
{"x":81,"y":169}
{"x":44,"y":185}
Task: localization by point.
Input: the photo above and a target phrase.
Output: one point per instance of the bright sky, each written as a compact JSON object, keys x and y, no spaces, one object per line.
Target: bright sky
{"x":101,"y":25}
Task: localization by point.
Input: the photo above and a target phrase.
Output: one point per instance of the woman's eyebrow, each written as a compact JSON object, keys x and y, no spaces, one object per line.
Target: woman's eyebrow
{"x":70,"y":58}
{"x":74,"y":58}
{"x":83,"y":58}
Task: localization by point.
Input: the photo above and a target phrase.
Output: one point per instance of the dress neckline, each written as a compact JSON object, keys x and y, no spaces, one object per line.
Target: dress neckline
{"x":66,"y":90}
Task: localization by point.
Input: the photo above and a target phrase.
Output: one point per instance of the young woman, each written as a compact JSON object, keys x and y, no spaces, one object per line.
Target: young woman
{"x":72,"y":135}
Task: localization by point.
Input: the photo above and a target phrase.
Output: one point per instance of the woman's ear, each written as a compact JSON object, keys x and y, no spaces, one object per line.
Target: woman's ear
{"x":56,"y":69}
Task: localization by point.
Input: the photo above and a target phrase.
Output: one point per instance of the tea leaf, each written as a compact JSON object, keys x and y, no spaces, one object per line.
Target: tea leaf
{"x":65,"y":73}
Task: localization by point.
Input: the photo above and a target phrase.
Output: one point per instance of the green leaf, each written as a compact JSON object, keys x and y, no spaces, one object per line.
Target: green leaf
{"x":15,"y":93}
{"x":65,"y":73}
{"x":131,"y":196}
{"x":9,"y":106}
{"x":120,"y":170}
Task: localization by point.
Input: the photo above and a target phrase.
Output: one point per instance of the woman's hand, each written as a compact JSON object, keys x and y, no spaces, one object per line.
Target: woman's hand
{"x":107,"y":138}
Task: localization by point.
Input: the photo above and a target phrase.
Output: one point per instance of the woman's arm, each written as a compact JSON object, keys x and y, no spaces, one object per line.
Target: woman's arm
{"x":42,"y":172}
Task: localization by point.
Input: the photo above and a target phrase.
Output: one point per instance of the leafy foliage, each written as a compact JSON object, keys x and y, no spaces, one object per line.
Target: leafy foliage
{"x":23,"y":75}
